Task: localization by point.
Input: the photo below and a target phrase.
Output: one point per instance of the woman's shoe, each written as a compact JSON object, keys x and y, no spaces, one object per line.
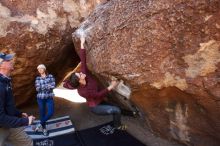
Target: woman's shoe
{"x":45,"y":132}
{"x":38,"y":127}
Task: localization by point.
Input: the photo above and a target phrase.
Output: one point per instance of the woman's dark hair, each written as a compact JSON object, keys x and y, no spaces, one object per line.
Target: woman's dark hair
{"x":74,"y":80}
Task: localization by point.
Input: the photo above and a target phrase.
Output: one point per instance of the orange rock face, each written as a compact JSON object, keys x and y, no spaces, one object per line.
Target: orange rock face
{"x":168,"y":53}
{"x":39,"y":31}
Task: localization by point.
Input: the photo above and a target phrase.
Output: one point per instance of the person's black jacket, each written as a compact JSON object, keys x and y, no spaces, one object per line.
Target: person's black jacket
{"x":10,"y":117}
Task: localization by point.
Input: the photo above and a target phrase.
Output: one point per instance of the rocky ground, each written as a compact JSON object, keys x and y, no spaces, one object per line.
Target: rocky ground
{"x":83,"y":118}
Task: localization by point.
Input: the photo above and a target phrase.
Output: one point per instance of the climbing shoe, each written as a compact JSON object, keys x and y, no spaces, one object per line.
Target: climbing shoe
{"x":122,"y":127}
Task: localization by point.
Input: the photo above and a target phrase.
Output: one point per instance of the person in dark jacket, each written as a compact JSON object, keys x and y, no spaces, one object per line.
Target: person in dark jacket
{"x":88,"y":88}
{"x":12,"y":121}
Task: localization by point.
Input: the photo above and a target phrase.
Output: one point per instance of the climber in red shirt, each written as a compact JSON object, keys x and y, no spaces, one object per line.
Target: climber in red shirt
{"x":87,"y":87}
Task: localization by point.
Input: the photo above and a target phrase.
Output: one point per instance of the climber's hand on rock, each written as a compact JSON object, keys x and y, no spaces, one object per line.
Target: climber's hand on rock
{"x":82,"y":39}
{"x":114,"y":84}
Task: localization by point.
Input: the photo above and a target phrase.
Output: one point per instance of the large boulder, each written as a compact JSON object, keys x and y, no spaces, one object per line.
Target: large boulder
{"x":168,"y":53}
{"x":39,"y":31}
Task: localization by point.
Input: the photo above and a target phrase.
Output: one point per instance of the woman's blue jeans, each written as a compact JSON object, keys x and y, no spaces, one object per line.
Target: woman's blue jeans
{"x":109,"y":110}
{"x":45,"y":114}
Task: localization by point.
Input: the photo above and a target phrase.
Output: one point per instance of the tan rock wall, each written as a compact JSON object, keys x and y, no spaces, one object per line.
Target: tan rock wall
{"x":39,"y":31}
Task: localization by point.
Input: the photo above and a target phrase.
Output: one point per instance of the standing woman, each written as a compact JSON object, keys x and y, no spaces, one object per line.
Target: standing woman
{"x":44,"y":83}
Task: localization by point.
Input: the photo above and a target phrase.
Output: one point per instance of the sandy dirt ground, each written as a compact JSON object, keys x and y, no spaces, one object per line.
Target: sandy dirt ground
{"x":82,"y":118}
